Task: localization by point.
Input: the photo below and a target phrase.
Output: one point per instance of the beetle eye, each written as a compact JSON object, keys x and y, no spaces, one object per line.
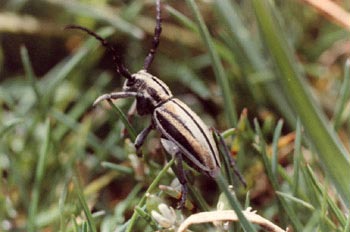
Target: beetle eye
{"x":130,"y":82}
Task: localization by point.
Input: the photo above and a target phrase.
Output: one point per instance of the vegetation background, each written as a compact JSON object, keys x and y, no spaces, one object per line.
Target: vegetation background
{"x":276,"y":71}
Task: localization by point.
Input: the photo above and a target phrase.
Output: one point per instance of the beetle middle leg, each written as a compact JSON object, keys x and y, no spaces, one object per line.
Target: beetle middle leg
{"x":182,"y":178}
{"x":174,"y":151}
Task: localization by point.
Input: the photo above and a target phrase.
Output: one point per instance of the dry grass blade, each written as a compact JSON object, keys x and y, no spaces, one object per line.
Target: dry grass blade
{"x":229,"y":215}
{"x":332,"y":11}
{"x":15,"y":23}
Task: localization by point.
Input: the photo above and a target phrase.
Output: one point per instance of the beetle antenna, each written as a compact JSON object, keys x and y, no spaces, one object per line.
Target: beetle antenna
{"x":121,"y":69}
{"x":156,"y":38}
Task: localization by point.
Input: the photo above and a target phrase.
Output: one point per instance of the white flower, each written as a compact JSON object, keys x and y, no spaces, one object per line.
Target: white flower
{"x":167,"y":216}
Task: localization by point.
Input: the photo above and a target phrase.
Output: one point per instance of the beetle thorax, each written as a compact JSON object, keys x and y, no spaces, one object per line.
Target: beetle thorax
{"x":152,"y":91}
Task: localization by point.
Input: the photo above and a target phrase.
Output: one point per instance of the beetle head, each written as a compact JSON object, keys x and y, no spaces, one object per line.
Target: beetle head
{"x":148,"y":86}
{"x":152,"y":91}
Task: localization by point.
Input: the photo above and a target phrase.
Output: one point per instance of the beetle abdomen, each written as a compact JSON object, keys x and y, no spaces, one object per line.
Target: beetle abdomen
{"x":178,"y":123}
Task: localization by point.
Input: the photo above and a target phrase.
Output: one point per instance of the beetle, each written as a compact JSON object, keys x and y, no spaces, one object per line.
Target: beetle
{"x":183,"y":133}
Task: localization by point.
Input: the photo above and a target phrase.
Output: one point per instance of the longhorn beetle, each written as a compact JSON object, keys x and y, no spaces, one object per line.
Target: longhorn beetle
{"x":183,"y":133}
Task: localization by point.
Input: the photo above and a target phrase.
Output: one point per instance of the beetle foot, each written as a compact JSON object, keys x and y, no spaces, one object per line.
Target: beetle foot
{"x":182,"y":202}
{"x":139,"y":153}
{"x":102,"y":98}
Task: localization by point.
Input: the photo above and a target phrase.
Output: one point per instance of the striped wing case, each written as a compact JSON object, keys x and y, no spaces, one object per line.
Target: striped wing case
{"x":179,"y":124}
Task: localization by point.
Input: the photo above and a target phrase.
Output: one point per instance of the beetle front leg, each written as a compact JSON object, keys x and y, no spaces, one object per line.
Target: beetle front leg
{"x":140,"y":139}
{"x":113,"y":96}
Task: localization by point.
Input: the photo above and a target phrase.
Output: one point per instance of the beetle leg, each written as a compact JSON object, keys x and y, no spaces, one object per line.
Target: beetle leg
{"x":182,"y":178}
{"x":132,"y":111}
{"x":232,"y":161}
{"x":115,"y":95}
{"x":174,"y":151}
{"x":170,"y":147}
{"x":140,"y":139}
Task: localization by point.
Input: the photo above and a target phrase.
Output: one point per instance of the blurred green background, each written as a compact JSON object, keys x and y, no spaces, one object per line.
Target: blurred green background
{"x":277,"y":71}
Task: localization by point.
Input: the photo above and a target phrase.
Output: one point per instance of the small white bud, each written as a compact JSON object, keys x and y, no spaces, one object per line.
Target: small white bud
{"x":167,"y":216}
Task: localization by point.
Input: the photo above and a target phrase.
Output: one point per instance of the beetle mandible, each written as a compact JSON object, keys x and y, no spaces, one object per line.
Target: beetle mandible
{"x":183,"y":133}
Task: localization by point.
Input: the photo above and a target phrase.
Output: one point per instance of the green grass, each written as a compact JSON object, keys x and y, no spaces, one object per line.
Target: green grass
{"x":253,"y":66}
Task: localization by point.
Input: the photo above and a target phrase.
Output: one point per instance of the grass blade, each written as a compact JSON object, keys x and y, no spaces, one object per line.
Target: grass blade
{"x":276,"y":137}
{"x":101,"y":13}
{"x":154,"y":184}
{"x":29,"y":72}
{"x":330,"y":151}
{"x":56,"y":76}
{"x":182,"y":18}
{"x":10,"y":125}
{"x":273,"y":179}
{"x":124,"y":119}
{"x":84,"y":205}
{"x":296,"y":200}
{"x":347,"y":226}
{"x":117,"y":167}
{"x":39,"y":175}
{"x":333,"y":206}
{"x":232,"y":199}
{"x":217,"y":66}
{"x":297,"y":157}
{"x":343,"y":96}
{"x":250,"y":52}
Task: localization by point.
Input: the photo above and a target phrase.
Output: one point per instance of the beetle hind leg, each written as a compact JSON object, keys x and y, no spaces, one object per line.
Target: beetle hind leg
{"x":227,"y":153}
